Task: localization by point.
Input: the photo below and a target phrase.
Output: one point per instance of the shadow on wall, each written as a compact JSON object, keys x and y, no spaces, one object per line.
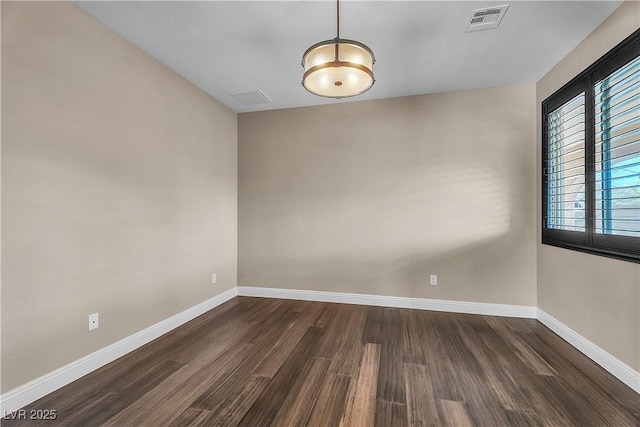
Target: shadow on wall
{"x":406,"y":218}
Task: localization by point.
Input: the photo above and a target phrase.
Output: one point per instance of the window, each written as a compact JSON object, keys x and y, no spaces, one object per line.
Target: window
{"x":591,"y":158}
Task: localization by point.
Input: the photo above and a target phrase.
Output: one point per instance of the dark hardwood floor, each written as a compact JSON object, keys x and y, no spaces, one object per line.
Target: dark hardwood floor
{"x":259,"y":362}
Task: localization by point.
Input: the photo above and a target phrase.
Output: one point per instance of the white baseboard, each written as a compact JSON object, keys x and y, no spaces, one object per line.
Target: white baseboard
{"x":614,"y":366}
{"x":528,"y":312}
{"x":40,"y":387}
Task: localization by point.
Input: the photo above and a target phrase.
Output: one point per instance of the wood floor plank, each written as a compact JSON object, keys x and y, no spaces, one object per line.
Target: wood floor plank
{"x":232,"y":381}
{"x":421,"y":401}
{"x":123,"y":397}
{"x":235,"y":407}
{"x":528,"y":355}
{"x":454,"y":414}
{"x":520,"y":419}
{"x":587,"y":375}
{"x":442,"y":373}
{"x":346,"y":360}
{"x":544,"y":403}
{"x":289,"y":339}
{"x":275,"y":316}
{"x":391,"y":377}
{"x":390,"y":414}
{"x":189,"y":336}
{"x":335,"y":336}
{"x":494,"y":359}
{"x":192,"y":417}
{"x":265,"y":308}
{"x":329,"y":407}
{"x":257,"y":362}
{"x":586,"y":393}
{"x":374,"y":325}
{"x":207,"y":341}
{"x":266,"y":407}
{"x":296,"y":408}
{"x":556,"y":389}
{"x":511,"y":380}
{"x":414,"y":338}
{"x":326,"y":313}
{"x":361,"y":400}
{"x":465,"y":370}
{"x":170,"y":398}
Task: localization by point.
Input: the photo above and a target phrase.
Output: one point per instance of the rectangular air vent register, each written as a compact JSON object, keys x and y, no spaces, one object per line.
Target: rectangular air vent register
{"x":484,"y":19}
{"x":255,"y":97}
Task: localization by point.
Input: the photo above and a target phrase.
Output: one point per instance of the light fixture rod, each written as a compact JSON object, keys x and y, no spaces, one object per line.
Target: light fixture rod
{"x":338,"y":19}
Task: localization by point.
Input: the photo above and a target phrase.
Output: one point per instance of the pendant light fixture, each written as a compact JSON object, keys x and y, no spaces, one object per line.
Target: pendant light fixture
{"x":338,"y":68}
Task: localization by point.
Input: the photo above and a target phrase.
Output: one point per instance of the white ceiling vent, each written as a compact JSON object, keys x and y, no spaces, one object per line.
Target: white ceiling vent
{"x":484,"y":19}
{"x":255,"y":97}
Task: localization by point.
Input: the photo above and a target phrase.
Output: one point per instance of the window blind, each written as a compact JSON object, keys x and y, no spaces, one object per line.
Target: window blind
{"x":617,"y":152}
{"x":566,"y":166}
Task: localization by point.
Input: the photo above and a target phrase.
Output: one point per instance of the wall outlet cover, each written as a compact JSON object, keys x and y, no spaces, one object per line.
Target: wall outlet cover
{"x":93,"y":321}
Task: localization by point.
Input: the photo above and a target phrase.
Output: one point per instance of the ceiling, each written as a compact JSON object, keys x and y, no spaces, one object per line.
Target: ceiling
{"x":227,"y":47}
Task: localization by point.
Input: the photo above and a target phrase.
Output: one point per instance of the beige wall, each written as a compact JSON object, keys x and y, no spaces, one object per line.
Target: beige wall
{"x":597,"y":297}
{"x":119,"y":189}
{"x":372,"y":197}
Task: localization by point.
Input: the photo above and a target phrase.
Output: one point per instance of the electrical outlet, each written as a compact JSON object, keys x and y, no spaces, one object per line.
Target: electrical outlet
{"x":214,"y":278}
{"x":93,"y":321}
{"x":433,"y":280}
